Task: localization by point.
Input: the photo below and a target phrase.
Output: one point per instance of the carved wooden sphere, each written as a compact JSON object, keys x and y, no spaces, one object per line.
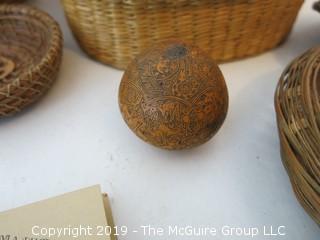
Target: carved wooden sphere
{"x":173,"y":96}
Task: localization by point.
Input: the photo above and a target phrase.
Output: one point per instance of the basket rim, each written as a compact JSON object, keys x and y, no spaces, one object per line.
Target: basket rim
{"x":54,"y":41}
{"x":146,"y":3}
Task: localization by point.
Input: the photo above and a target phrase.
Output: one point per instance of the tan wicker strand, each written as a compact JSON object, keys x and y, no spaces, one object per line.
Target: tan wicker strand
{"x":115,"y":31}
{"x":30,"y":56}
{"x":297,"y":104}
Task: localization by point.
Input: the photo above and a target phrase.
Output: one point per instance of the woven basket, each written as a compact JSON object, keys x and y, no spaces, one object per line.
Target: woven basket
{"x":30,"y":56}
{"x":297,"y":104}
{"x":114,"y":31}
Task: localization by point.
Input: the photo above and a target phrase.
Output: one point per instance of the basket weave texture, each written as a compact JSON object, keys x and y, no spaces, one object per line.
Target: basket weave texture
{"x":30,"y":56}
{"x":297,"y":104}
{"x":115,"y":31}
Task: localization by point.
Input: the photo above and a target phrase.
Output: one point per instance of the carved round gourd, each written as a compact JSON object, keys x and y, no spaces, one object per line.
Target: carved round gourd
{"x":173,"y":96}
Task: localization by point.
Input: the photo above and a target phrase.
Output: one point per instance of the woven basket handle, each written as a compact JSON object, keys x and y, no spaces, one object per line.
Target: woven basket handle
{"x":6,"y":67}
{"x":316,"y":6}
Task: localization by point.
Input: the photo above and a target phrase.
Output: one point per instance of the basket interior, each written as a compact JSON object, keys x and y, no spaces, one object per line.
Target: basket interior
{"x":24,"y":41}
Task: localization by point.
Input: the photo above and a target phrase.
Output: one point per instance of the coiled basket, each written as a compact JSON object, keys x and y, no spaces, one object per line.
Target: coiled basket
{"x":30,"y":56}
{"x":114,"y":31}
{"x":297,"y":104}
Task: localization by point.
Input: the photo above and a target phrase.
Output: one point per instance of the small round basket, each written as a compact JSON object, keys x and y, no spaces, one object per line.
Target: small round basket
{"x":297,"y":104}
{"x":115,"y":31}
{"x":30,"y":56}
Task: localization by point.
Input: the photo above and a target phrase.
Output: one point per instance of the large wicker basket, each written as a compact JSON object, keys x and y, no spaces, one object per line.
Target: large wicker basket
{"x":114,"y":31}
{"x":30,"y":56}
{"x":297,"y":103}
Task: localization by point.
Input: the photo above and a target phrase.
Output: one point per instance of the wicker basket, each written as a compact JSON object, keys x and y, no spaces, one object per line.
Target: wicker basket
{"x":114,"y":31}
{"x":30,"y":56}
{"x":297,"y":103}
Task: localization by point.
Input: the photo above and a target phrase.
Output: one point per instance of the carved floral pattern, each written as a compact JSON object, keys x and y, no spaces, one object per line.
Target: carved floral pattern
{"x":173,"y":96}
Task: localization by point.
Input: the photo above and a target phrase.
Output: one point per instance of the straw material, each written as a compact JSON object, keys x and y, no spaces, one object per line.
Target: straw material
{"x":30,"y":56}
{"x":114,"y":31}
{"x":297,"y":103}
